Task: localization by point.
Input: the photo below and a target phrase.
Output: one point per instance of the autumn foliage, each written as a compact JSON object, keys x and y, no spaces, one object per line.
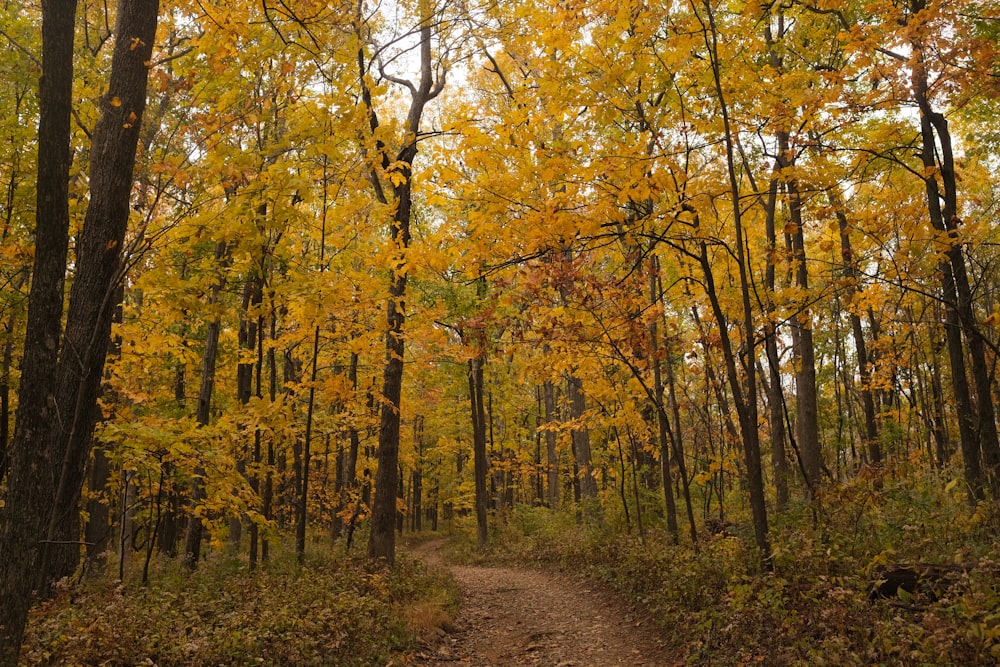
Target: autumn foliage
{"x":663,"y":268}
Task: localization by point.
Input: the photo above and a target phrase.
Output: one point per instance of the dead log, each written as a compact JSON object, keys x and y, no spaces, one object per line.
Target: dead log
{"x":930,"y":581}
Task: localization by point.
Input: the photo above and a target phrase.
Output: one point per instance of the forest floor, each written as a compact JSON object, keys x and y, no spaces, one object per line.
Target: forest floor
{"x":511,"y":616}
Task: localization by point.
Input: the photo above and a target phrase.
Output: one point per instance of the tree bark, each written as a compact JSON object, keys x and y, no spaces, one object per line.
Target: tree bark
{"x":57,"y":404}
{"x":581,"y":438}
{"x":977,"y":423}
{"x":195,"y":527}
{"x":480,"y":464}
{"x":382,"y":538}
{"x":29,"y":482}
{"x":871,"y":435}
{"x":551,"y":444}
{"x":746,"y":403}
{"x":775,"y":398}
{"x":92,"y":300}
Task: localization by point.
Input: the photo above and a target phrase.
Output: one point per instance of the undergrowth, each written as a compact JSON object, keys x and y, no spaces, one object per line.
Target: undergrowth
{"x":334,"y":610}
{"x":715,"y":606}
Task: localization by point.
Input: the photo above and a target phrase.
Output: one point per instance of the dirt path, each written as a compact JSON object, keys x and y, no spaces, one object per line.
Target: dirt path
{"x":514,"y":617}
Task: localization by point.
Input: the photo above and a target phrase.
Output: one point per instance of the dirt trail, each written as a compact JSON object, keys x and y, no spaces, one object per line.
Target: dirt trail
{"x":513,"y":617}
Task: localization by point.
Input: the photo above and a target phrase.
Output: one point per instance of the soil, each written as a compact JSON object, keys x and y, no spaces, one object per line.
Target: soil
{"x":513,"y":616}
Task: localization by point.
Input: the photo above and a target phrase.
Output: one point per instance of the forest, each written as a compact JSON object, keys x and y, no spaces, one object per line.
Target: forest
{"x":695,"y":297}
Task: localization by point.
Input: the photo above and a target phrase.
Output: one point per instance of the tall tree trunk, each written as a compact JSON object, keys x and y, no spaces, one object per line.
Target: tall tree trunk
{"x":676,"y":434}
{"x":746,"y":403}
{"x":272,"y":394}
{"x":5,"y":367}
{"x":92,"y":299}
{"x":977,"y":424}
{"x":581,"y":438}
{"x":64,"y":397}
{"x":382,"y":538}
{"x":195,"y":528}
{"x":302,"y":506}
{"x":852,"y":274}
{"x":418,"y":476}
{"x":806,"y":410}
{"x":480,"y":464}
{"x":775,"y":398}
{"x":662,"y":422}
{"x":551,"y":444}
{"x":250,"y":338}
{"x":97,"y":533}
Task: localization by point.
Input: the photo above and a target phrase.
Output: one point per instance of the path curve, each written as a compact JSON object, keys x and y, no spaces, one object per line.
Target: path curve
{"x":512,"y":616}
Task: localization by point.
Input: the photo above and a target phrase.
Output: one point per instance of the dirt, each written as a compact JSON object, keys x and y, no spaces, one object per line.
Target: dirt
{"x":514,"y":616}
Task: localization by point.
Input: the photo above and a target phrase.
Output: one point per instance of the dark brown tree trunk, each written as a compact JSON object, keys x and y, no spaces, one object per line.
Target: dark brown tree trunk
{"x":32,"y":501}
{"x":977,"y":423}
{"x":92,"y":299}
{"x":272,"y":393}
{"x":581,"y":439}
{"x":662,"y":350}
{"x":302,"y":505}
{"x":746,"y":403}
{"x":662,"y":423}
{"x":382,"y":538}
{"x":5,"y":367}
{"x":250,"y":338}
{"x":418,"y":475}
{"x":98,"y":531}
{"x":775,"y":398}
{"x":480,"y":464}
{"x":551,"y":444}
{"x":872,"y":445}
{"x":195,"y":527}
{"x":806,"y":410}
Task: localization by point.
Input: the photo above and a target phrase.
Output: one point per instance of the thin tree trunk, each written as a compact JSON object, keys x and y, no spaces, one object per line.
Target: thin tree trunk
{"x":302,"y":507}
{"x":746,"y":407}
{"x":272,"y":394}
{"x":551,"y":444}
{"x":872,"y":446}
{"x":480,"y":464}
{"x":195,"y":527}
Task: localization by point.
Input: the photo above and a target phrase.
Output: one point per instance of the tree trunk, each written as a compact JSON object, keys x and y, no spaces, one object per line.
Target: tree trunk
{"x":775,"y":399}
{"x":302,"y":507}
{"x":746,"y":404}
{"x":872,"y":446}
{"x":977,"y":423}
{"x":581,"y":438}
{"x":272,"y":394}
{"x":98,"y":531}
{"x":382,"y":538}
{"x":480,"y":464}
{"x":195,"y":528}
{"x":551,"y":444}
{"x":69,"y":390}
{"x":5,"y":366}
{"x":250,"y":338}
{"x":94,"y":296}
